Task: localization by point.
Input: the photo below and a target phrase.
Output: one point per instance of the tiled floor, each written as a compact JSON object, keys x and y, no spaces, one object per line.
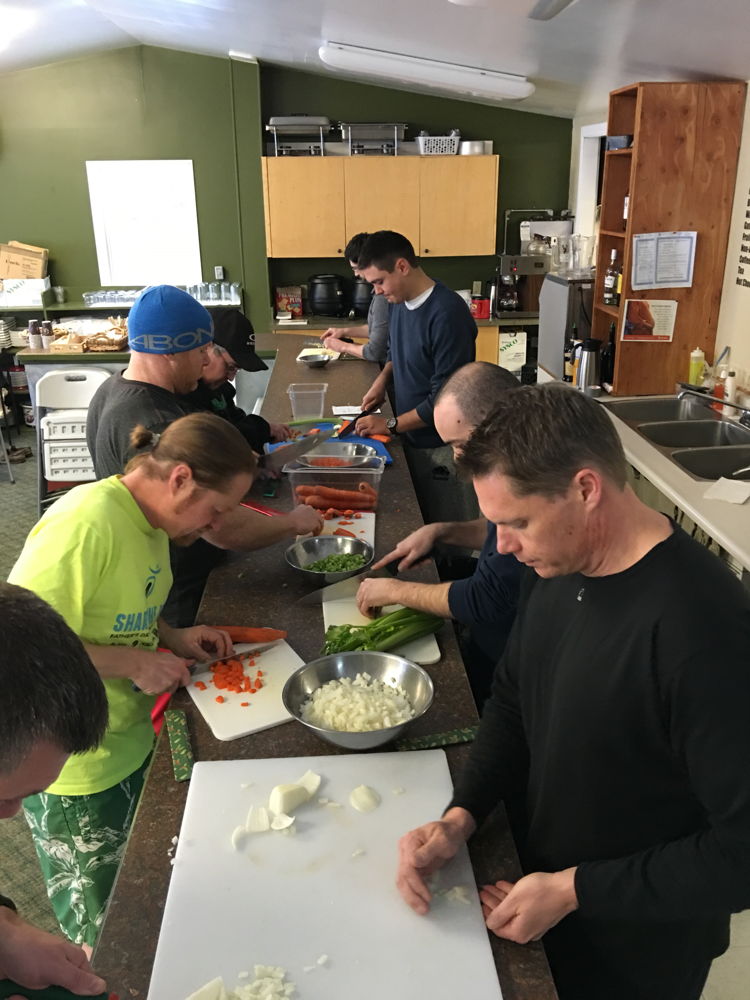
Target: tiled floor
{"x":19,"y":874}
{"x":730,"y":974}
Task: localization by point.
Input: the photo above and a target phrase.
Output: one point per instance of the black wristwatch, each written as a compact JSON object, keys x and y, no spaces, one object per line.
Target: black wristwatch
{"x":391,"y":424}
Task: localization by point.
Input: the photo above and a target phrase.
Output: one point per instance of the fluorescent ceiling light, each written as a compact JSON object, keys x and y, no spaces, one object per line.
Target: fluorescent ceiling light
{"x":425,"y":72}
{"x":545,"y":10}
{"x":14,"y":23}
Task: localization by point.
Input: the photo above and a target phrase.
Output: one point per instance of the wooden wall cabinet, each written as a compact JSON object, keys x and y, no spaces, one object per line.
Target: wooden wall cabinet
{"x":445,"y":205}
{"x":458,"y":205}
{"x":304,"y":206}
{"x":679,"y":175}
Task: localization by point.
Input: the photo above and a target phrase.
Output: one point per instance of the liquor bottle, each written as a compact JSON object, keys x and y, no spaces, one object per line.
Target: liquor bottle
{"x":610,"y":296}
{"x":607,"y":358}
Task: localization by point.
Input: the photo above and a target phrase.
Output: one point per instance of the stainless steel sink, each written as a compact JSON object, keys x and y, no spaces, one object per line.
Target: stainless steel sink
{"x":712,"y":463}
{"x":659,"y":408}
{"x":695,"y":433}
{"x":689,"y":433}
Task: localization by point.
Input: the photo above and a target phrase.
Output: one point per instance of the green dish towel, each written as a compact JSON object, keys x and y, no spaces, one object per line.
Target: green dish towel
{"x":9,"y":989}
{"x":434,"y":740}
{"x":179,"y":743}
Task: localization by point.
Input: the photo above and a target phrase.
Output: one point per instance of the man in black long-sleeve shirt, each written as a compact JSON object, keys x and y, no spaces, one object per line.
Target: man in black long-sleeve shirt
{"x":620,"y":711}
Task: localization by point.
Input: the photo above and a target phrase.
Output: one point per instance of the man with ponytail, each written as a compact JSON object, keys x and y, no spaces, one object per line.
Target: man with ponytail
{"x":100,"y":557}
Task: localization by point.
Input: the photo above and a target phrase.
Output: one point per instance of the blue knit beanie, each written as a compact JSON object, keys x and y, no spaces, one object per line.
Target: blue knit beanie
{"x":166,"y":320}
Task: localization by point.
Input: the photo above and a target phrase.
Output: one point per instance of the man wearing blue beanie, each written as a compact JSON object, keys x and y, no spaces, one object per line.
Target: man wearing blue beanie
{"x":169,"y":334}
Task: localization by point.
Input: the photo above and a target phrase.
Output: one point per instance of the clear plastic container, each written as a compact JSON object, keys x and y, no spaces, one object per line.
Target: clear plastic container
{"x":307,"y":399}
{"x":337,"y":479}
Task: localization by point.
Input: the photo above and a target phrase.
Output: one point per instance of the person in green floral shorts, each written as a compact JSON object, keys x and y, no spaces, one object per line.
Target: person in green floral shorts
{"x":100,"y":556}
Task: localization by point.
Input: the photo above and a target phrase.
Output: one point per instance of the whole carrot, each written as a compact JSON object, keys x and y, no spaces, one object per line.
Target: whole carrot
{"x":242,"y":633}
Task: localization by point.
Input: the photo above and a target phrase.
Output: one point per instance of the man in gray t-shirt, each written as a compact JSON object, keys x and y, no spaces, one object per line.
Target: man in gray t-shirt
{"x":376,"y":348}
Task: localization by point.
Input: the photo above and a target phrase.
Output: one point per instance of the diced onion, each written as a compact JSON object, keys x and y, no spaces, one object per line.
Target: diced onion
{"x":357,"y":706}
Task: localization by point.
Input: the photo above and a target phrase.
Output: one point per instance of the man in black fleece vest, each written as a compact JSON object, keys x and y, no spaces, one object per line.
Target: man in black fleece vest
{"x":618,"y":718}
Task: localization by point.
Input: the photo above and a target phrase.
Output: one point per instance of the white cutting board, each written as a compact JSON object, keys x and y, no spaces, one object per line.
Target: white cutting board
{"x":363,"y":527}
{"x":346,"y":612}
{"x":287,"y":900}
{"x":229,"y":720}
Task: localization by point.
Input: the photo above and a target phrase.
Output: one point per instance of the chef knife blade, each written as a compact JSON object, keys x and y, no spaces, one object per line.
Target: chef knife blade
{"x":349,"y":587}
{"x":276,"y":459}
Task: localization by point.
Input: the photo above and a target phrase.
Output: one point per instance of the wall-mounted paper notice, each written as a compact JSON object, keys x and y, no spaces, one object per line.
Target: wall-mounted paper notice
{"x":663,"y":260}
{"x":651,"y":320}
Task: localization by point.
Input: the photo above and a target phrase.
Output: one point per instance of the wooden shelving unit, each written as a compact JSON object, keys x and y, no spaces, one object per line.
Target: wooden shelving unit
{"x":680,"y":174}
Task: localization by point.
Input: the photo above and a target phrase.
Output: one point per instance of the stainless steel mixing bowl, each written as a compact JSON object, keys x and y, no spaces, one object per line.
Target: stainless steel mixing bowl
{"x":309,"y":550}
{"x":386,"y":667}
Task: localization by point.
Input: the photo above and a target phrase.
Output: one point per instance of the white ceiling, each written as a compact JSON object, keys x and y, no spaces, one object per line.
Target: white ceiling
{"x":575,"y":59}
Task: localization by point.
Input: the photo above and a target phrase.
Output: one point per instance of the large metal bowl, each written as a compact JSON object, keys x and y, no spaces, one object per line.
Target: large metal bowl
{"x":309,"y":550}
{"x":349,"y":453}
{"x":384,"y":667}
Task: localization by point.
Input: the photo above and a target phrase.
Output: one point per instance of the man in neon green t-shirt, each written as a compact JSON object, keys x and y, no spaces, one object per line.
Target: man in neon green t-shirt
{"x":100,"y":556}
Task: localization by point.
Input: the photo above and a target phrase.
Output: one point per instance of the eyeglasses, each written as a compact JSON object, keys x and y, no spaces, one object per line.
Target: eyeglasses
{"x":229,"y":362}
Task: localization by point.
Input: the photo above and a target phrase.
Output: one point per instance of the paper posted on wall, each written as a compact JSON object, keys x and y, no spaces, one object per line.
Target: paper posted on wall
{"x":663,"y":260}
{"x":650,"y":320}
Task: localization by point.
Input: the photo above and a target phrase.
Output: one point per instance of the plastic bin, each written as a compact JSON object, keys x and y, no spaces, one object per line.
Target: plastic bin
{"x":337,"y":479}
{"x":307,"y":398}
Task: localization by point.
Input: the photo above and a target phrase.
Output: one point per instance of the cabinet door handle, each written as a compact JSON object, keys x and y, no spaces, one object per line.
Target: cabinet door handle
{"x":426,"y":250}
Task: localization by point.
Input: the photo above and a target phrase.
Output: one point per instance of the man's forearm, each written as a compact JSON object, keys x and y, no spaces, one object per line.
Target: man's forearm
{"x":245,"y":530}
{"x":410,"y":421}
{"x":429,"y":597}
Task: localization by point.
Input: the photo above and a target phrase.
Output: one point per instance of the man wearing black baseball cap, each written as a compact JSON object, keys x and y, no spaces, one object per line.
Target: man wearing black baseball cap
{"x":170,"y":346}
{"x":233,"y":349}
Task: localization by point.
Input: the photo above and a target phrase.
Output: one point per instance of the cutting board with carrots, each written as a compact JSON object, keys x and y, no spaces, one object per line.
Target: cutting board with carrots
{"x":362,"y":527}
{"x":242,"y":713}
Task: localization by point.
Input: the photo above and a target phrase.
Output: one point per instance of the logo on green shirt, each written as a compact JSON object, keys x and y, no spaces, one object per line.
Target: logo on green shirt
{"x":151,"y":579}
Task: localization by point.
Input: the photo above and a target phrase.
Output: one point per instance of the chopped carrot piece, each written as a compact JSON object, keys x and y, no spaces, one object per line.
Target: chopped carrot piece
{"x":244,"y":704}
{"x":220,"y":700}
{"x":200,"y":685}
{"x":259,"y":673}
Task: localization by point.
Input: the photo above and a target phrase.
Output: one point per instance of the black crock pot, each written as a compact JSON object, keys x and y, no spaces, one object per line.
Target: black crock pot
{"x":326,"y":295}
{"x":361,"y":296}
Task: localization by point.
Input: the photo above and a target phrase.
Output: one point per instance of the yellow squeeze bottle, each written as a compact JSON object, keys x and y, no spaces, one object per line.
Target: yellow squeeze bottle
{"x":697,"y":361}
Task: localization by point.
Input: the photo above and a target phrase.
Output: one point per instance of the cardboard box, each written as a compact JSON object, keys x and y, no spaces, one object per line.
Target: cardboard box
{"x":512,"y":353}
{"x":21,"y":260}
{"x":22,"y":291}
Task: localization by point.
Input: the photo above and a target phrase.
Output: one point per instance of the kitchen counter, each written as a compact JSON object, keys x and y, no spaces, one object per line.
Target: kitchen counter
{"x":324,"y":322}
{"x":261,"y":581}
{"x":727,"y":523}
{"x":42,"y":356}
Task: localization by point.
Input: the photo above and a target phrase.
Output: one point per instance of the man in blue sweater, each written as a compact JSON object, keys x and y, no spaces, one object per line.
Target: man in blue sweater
{"x":486,"y":601}
{"x":432,"y":334}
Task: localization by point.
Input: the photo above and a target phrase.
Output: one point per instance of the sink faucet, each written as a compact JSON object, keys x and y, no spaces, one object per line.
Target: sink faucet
{"x":688,"y":390}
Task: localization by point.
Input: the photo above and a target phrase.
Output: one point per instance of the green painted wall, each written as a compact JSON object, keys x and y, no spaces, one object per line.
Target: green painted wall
{"x":144,"y":102}
{"x":534,"y":150}
{"x":134,"y":103}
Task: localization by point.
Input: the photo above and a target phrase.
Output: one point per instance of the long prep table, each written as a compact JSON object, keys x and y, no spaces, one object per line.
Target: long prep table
{"x":261,"y":581}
